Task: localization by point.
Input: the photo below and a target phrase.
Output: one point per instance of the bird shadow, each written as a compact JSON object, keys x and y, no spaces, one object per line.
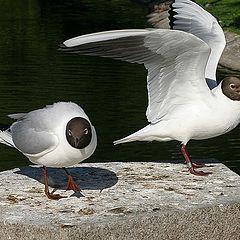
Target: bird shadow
{"x":88,"y":178}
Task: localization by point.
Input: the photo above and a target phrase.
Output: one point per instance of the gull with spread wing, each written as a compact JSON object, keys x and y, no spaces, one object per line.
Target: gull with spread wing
{"x":181,"y":104}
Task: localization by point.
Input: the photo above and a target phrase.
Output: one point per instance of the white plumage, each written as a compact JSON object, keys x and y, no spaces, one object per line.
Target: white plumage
{"x":188,"y":16}
{"x":41,"y":135}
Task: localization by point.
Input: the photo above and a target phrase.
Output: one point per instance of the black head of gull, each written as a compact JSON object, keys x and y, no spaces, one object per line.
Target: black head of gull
{"x":231,"y":87}
{"x":78,"y":132}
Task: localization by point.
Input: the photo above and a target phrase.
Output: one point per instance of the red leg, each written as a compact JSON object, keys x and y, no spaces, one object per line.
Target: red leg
{"x":191,"y":166}
{"x":49,"y":195}
{"x":198,"y":165}
{"x":194,"y":165}
{"x":71,"y":184}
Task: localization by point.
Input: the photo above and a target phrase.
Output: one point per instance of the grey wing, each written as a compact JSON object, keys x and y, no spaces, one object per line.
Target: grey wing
{"x":31,"y":141}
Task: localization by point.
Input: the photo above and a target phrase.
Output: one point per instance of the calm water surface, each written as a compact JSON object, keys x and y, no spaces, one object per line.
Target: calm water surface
{"x":33,"y":73}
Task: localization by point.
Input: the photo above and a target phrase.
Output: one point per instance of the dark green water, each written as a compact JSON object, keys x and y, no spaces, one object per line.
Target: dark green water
{"x":33,"y":73}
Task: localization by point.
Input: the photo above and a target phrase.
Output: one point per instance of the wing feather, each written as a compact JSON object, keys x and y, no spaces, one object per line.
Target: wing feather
{"x":175,"y":61}
{"x":188,"y":16}
{"x":32,"y":141}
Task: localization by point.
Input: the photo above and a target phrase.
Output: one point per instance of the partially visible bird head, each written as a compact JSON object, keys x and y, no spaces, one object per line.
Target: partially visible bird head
{"x":78,"y":132}
{"x":231,"y":87}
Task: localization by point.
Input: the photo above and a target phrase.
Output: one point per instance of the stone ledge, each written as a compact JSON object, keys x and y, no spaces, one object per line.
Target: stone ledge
{"x":231,"y":55}
{"x":150,"y":200}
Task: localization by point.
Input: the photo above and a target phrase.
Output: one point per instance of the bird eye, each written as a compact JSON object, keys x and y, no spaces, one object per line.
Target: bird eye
{"x":69,"y":132}
{"x":232,"y":86}
{"x":85,"y":131}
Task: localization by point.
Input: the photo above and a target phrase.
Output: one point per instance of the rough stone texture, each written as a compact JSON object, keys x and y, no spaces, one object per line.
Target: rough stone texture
{"x":150,"y":200}
{"x":231,"y":54}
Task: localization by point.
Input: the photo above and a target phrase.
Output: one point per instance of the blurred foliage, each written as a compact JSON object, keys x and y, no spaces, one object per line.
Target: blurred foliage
{"x":227,"y":12}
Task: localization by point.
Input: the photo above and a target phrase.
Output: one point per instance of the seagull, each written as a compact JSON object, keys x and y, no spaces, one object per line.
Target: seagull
{"x":58,"y":135}
{"x":181,"y":104}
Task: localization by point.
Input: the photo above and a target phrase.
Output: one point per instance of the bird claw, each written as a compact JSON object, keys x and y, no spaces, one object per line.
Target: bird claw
{"x":198,"y":173}
{"x":54,"y":196}
{"x":71,"y":185}
{"x":191,"y":165}
{"x":199,"y":165}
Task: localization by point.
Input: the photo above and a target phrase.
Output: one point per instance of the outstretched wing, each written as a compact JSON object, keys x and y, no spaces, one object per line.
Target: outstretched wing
{"x":188,"y":16}
{"x":175,"y":61}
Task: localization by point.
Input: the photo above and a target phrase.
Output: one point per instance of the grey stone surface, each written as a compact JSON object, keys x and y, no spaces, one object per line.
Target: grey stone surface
{"x":231,"y":54}
{"x":142,"y":200}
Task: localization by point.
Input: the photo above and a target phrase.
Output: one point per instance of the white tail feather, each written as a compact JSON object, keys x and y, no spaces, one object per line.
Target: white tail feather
{"x":124,"y":140}
{"x":140,"y":135}
{"x":152,"y":132}
{"x":6,"y":138}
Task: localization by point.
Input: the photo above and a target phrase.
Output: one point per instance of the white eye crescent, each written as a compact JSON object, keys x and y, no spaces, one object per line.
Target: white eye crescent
{"x":69,"y":132}
{"x":232,"y":86}
{"x":85,"y":131}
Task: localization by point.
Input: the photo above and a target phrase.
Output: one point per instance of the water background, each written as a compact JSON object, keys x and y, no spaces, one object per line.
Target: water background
{"x":33,"y":74}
